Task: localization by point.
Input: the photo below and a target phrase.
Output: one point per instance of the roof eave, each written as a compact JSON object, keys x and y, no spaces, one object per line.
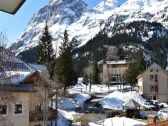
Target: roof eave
{"x":16,"y":8}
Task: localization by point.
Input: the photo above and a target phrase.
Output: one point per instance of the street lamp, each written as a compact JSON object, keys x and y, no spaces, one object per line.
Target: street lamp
{"x":10,"y":6}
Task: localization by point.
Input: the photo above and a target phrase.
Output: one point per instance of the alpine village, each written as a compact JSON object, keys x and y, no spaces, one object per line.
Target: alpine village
{"x":76,"y":65}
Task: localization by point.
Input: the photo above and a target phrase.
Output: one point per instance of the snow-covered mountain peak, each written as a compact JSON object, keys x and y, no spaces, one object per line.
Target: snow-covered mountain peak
{"x":83,"y":24}
{"x":51,"y":2}
{"x":140,"y":5}
{"x":105,"y":5}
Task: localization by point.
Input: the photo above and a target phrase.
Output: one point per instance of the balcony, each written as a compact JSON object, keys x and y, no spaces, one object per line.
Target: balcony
{"x":38,"y":115}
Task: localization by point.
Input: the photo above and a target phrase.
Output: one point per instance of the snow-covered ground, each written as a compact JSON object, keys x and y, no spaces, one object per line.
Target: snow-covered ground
{"x":117,"y":121}
{"x":67,"y":104}
{"x":70,"y":115}
{"x":95,"y":88}
{"x":117,"y":99}
{"x":112,"y":98}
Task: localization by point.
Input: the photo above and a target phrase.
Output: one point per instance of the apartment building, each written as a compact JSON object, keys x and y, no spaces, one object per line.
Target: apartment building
{"x":153,"y":83}
{"x":112,"y":72}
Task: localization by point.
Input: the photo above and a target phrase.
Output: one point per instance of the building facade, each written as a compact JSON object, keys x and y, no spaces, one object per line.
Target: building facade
{"x":112,"y":72}
{"x":24,"y":92}
{"x":153,"y":83}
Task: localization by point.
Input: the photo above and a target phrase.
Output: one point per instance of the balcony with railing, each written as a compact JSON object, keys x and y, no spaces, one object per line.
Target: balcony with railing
{"x":39,"y":115}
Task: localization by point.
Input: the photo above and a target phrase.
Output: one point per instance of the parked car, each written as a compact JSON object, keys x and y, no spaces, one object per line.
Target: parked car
{"x":148,"y":105}
{"x":163,"y":105}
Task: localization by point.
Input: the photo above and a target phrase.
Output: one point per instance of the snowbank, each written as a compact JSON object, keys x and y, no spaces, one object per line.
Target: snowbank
{"x":117,"y":121}
{"x":117,"y":99}
{"x":95,"y":88}
{"x":70,"y":115}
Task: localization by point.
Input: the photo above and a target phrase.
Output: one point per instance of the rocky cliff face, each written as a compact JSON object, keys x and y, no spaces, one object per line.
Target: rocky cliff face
{"x":83,"y":24}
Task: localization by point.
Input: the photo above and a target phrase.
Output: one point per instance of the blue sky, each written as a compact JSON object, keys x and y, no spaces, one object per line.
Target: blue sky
{"x":13,"y":25}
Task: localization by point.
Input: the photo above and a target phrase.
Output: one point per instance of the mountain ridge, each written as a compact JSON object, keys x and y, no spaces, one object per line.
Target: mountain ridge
{"x":83,"y":24}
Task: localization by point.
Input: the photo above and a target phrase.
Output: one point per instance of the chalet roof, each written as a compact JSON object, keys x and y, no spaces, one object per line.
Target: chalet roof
{"x":40,"y":76}
{"x":113,"y":62}
{"x":14,"y":71}
{"x":40,"y":68}
{"x":154,"y":65}
{"x":8,"y":56}
{"x":9,"y":62}
{"x":131,"y":104}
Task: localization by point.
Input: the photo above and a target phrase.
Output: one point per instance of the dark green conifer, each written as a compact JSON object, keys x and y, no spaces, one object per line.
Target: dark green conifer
{"x":136,"y":67}
{"x":45,"y":51}
{"x":65,"y":70}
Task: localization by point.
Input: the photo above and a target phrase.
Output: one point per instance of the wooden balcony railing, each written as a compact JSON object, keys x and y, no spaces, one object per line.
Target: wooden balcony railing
{"x":39,"y":115}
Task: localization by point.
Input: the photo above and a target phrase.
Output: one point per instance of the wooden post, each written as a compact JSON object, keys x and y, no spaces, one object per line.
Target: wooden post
{"x":90,"y":86}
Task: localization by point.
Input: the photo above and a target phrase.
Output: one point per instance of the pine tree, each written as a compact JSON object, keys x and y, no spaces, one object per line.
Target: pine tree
{"x":65,"y":70}
{"x":45,"y":51}
{"x":135,"y":68}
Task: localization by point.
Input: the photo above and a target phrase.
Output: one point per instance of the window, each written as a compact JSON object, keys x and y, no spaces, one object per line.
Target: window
{"x":3,"y":109}
{"x":157,"y":70}
{"x":151,"y":70}
{"x":156,"y":88}
{"x":18,"y":108}
{"x":151,"y":77}
{"x":152,"y":88}
{"x":114,"y":78}
{"x":156,"y":78}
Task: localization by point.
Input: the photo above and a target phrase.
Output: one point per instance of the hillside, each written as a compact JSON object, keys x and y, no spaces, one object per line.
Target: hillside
{"x":139,"y":23}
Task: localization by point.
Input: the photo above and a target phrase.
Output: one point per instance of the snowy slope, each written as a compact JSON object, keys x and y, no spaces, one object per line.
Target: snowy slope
{"x":83,"y":24}
{"x":106,"y":5}
{"x":148,"y":10}
{"x":72,"y":15}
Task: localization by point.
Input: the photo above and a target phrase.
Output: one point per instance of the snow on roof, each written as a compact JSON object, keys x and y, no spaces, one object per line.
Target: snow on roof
{"x":117,"y":99}
{"x":117,"y":121}
{"x":40,"y":68}
{"x":113,"y":62}
{"x":80,"y":79}
{"x":81,"y":97}
{"x":67,"y":104}
{"x":13,"y":77}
